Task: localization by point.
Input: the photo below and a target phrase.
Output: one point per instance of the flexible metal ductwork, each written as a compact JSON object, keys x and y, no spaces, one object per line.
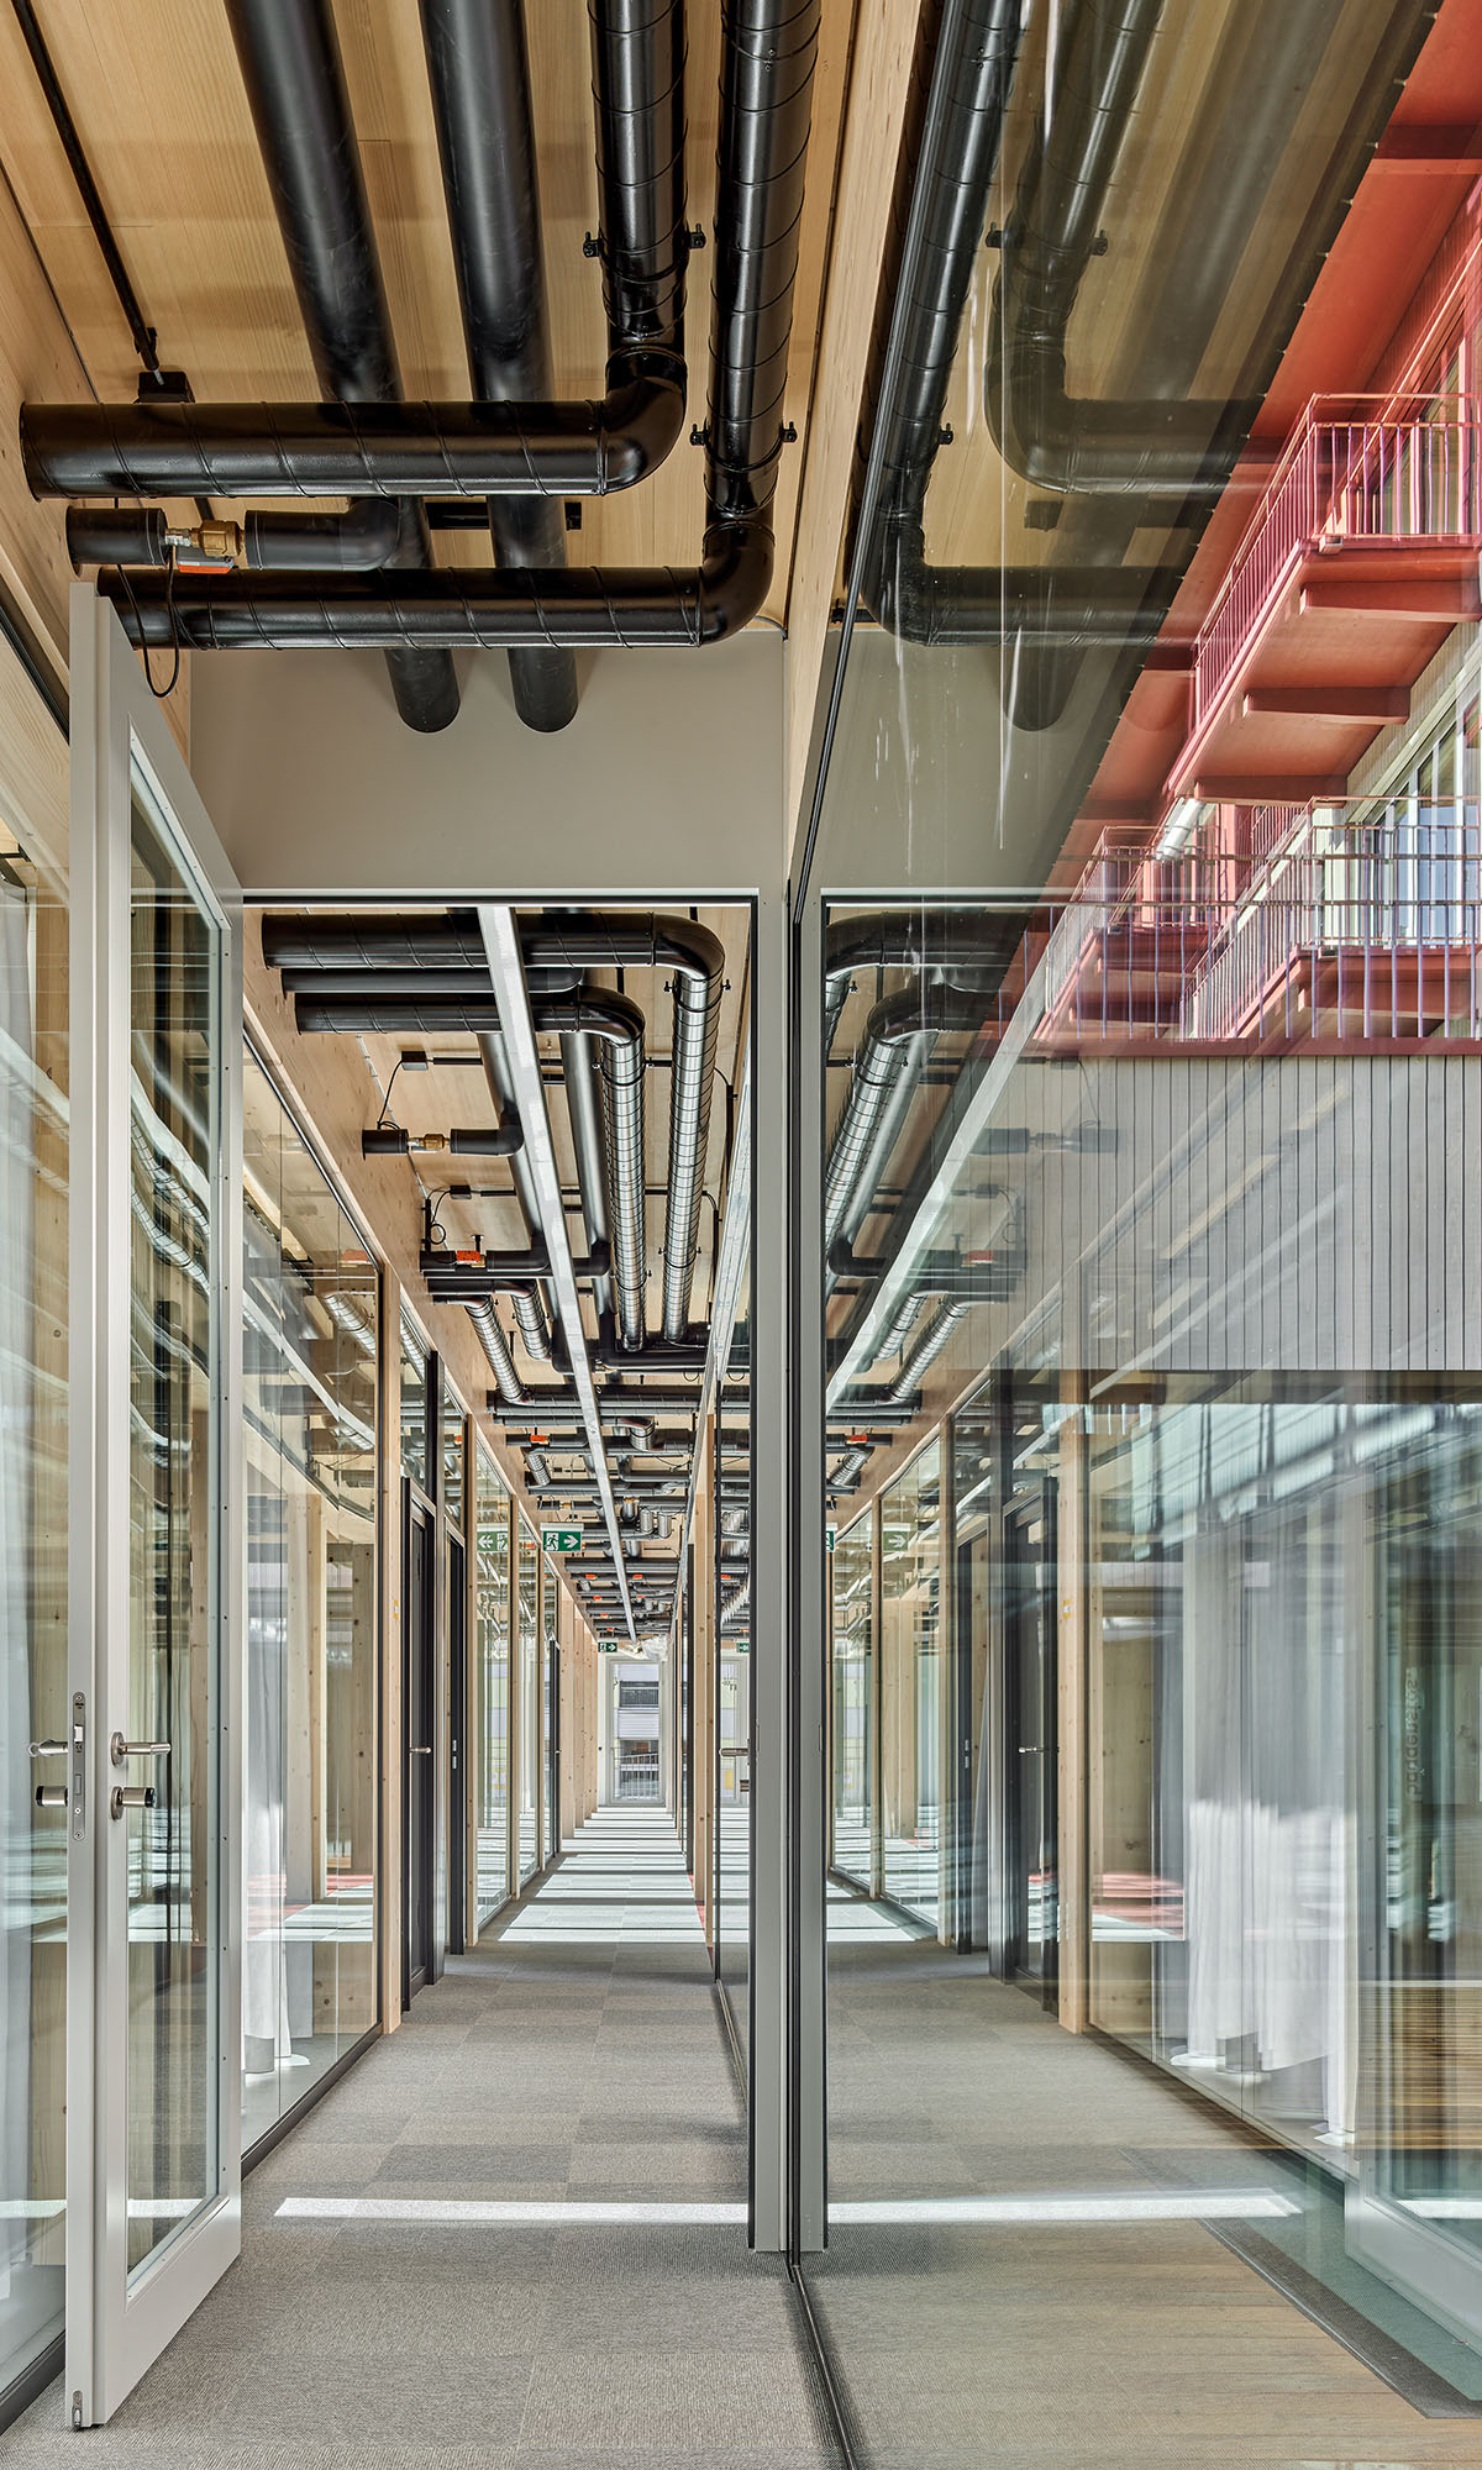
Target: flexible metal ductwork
{"x":530,"y":1321}
{"x":893,"y":1337}
{"x":928,"y":1346}
{"x":900,"y":1031}
{"x":621,"y":1067}
{"x":496,"y":1347}
{"x":695,"y":960}
{"x":768,"y":53}
{"x":582,"y":1106}
{"x":290,"y":59}
{"x":479,"y":70}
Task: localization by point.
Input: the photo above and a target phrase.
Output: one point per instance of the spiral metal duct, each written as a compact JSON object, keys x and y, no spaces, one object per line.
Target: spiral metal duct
{"x":496,"y":1348}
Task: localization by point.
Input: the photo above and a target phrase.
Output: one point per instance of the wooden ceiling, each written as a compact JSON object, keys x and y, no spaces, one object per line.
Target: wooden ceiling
{"x":158,"y":100}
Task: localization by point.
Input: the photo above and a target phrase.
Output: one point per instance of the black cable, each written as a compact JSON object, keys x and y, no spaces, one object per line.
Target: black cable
{"x":386,"y":1097}
{"x":66,"y":127}
{"x":159,"y":692}
{"x":144,"y":337}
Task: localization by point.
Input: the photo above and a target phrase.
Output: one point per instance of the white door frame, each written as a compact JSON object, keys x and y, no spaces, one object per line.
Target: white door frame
{"x":115,"y":2331}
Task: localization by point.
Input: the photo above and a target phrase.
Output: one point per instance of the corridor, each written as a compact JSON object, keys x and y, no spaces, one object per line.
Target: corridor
{"x":515,"y":2232}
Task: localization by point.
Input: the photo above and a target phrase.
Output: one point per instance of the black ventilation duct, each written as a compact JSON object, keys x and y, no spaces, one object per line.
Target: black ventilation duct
{"x":1119,"y":457}
{"x":478,"y":66}
{"x":769,"y":48}
{"x":290,"y":59}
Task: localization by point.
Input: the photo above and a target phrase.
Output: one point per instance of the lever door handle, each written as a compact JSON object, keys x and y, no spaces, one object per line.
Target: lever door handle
{"x":420,"y":1749}
{"x":49,"y":1749}
{"x":119,"y":1749}
{"x":130,"y":1797}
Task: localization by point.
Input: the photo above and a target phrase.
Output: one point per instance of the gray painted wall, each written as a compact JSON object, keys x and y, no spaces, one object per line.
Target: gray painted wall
{"x":668,"y":783}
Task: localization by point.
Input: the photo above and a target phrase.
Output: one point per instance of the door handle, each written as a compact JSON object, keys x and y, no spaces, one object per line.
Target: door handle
{"x":49,"y":1749}
{"x":130,"y":1797}
{"x":119,"y":1749}
{"x":419,"y":1749}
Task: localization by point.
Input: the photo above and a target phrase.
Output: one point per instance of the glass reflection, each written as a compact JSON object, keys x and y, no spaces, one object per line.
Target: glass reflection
{"x":174,"y":1923}
{"x":493,"y":1522}
{"x":310,"y":1363}
{"x":33,"y":1572}
{"x":854,"y":1718}
{"x":528,"y":1707}
{"x":1150,"y":1112}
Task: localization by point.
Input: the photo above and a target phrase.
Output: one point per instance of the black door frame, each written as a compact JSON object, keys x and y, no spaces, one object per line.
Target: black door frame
{"x":418,"y":1831}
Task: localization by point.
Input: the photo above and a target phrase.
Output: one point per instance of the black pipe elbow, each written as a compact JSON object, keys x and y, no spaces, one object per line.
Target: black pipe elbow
{"x":356,"y":542}
{"x":734,"y":577}
{"x":641,"y":419}
{"x":1161,"y":451}
{"x":593,"y":1013}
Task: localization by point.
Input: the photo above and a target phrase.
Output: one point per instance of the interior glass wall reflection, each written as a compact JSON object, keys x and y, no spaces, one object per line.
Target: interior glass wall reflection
{"x":33,"y":1564}
{"x":852,"y":1705}
{"x":1147,"y":893}
{"x":309,"y":1973}
{"x":528,"y":1707}
{"x":492,"y":1512}
{"x":733,"y":1688}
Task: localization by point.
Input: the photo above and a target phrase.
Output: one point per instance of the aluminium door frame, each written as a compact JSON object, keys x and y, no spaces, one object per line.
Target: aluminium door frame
{"x":115,"y":2331}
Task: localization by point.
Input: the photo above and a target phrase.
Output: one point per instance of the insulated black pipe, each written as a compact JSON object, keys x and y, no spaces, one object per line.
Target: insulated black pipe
{"x":424,"y":939}
{"x":768,"y":53}
{"x":1149,"y":449}
{"x":463,"y":608}
{"x":479,"y":69}
{"x":952,"y":940}
{"x":394,"y":1016}
{"x":290,"y":60}
{"x":365,"y":536}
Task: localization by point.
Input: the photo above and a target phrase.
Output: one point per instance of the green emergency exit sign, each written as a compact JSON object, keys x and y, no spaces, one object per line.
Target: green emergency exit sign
{"x":560,"y":1539}
{"x":607,"y":1646}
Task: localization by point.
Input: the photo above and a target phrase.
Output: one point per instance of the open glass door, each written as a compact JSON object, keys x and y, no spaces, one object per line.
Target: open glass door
{"x":154,"y":1954}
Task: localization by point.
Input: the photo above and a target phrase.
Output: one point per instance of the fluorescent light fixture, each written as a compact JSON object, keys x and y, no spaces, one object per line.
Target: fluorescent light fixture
{"x":466,"y":2212}
{"x":1180,"y":824}
{"x":1044,"y":2212}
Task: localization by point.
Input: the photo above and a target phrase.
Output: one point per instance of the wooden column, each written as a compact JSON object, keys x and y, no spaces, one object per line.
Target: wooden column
{"x":390,"y":1917}
{"x":471,"y":1684}
{"x":1075,"y":1574}
{"x":702,"y":1714}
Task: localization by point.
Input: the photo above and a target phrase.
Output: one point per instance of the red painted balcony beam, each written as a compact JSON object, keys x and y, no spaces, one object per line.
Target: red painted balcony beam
{"x":1439,"y":149}
{"x":1377,"y":703}
{"x":1440,"y":600}
{"x":1252,"y":789}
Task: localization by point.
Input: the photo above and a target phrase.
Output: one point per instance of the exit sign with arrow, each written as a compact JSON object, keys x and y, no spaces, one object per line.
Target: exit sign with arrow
{"x":560,"y":1539}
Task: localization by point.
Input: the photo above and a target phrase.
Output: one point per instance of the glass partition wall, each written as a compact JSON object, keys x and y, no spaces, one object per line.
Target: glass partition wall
{"x":1149,"y":1108}
{"x":310,"y":1362}
{"x":34,"y":1523}
{"x":492,"y":1510}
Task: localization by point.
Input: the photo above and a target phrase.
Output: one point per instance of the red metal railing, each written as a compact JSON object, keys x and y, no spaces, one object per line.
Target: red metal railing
{"x":1353,"y":929}
{"x":1375,"y":473}
{"x":1333,"y":923}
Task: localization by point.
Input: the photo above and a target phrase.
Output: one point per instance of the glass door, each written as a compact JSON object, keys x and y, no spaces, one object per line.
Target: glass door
{"x":152,"y":1762}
